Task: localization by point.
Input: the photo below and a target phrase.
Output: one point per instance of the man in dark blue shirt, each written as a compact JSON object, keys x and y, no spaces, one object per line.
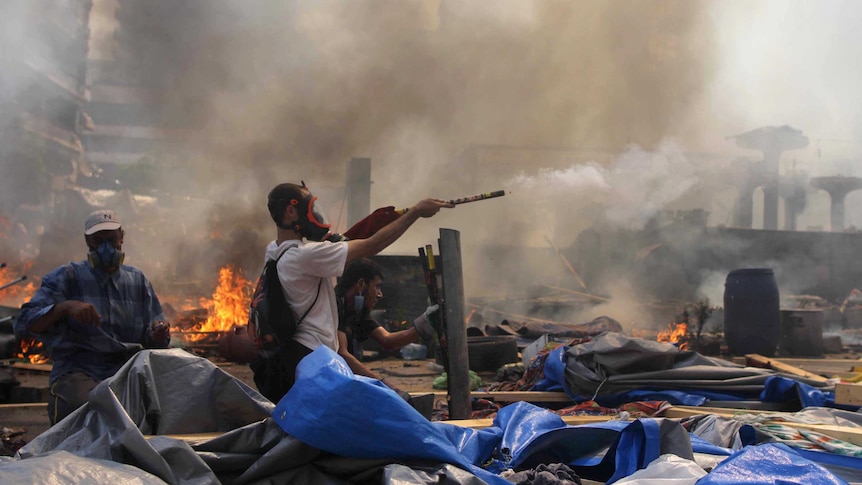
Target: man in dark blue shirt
{"x":92,"y":315}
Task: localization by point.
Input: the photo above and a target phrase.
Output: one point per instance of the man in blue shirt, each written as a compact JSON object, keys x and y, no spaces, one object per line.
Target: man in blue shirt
{"x":92,"y":315}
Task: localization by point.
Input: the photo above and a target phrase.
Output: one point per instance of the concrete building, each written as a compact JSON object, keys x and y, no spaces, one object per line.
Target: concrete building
{"x":42,"y":95}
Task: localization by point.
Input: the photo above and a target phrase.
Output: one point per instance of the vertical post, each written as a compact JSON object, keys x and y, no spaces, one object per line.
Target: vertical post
{"x":770,"y":190}
{"x":358,"y":189}
{"x":456,"y":326}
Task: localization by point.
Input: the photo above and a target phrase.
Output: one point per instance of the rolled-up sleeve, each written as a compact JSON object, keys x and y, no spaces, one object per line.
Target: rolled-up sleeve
{"x":54,"y":290}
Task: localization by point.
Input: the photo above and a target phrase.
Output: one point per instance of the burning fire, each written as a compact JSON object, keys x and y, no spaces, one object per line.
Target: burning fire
{"x":228,"y":306}
{"x":20,"y":291}
{"x":31,"y":350}
{"x":675,"y":333}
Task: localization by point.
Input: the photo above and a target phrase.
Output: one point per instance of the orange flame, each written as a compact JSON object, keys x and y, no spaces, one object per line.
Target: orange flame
{"x":17,"y":294}
{"x":228,"y":306}
{"x":32,"y":350}
{"x":675,"y":333}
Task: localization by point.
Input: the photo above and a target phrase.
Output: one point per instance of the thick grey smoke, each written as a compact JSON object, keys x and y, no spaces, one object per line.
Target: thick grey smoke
{"x":266,"y":91}
{"x":585,"y":112}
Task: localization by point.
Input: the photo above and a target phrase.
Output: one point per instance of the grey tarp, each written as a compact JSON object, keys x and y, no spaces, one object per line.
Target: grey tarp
{"x":534,"y":330}
{"x":614,"y":363}
{"x":167,"y":392}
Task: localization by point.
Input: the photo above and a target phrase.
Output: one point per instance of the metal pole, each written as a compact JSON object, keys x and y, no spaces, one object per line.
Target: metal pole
{"x":358,"y":189}
{"x":456,"y":326}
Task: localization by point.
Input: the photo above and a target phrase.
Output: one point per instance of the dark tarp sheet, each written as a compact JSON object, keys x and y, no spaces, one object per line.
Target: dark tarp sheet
{"x":613,"y":363}
{"x":340,"y":429}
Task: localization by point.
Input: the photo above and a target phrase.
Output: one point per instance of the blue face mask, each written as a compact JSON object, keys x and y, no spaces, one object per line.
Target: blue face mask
{"x":106,"y":257}
{"x":358,"y":302}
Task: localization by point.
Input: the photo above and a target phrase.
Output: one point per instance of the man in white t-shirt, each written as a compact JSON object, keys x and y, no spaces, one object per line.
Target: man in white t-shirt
{"x":307,"y":265}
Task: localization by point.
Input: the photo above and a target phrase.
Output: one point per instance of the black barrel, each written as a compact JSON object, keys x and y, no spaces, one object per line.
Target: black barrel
{"x":752,"y":320}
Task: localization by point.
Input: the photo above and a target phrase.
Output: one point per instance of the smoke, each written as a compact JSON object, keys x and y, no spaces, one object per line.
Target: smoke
{"x":631,"y":191}
{"x":255,"y":93}
{"x":583,"y":111}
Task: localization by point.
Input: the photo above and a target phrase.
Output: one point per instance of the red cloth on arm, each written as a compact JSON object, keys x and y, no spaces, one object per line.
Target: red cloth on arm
{"x":372,"y":223}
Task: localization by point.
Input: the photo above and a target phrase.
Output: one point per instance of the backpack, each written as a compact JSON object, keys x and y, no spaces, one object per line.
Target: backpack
{"x":271,"y":322}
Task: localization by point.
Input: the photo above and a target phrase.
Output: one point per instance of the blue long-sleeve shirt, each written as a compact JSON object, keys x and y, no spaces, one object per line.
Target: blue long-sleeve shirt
{"x":126,"y":303}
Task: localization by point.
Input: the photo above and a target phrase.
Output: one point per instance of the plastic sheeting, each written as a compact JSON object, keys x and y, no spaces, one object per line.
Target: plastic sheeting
{"x":362,"y":418}
{"x":666,"y":470}
{"x":769,"y":464}
{"x":63,"y":468}
{"x":613,"y":363}
{"x":340,"y":428}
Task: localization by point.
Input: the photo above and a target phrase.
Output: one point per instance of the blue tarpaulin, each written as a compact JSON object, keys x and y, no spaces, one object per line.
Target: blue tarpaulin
{"x":331,"y":409}
{"x":334,"y":427}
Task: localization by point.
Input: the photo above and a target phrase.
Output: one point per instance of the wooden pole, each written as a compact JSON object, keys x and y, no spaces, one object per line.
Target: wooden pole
{"x":515,"y":315}
{"x":458,"y":377}
{"x":579,"y":293}
{"x":566,"y":262}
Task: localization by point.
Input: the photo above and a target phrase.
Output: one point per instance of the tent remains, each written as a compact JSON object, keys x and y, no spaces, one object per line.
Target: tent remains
{"x":171,"y":417}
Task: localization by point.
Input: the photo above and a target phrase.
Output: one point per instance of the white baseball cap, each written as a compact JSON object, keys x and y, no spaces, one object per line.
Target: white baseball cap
{"x":101,"y":220}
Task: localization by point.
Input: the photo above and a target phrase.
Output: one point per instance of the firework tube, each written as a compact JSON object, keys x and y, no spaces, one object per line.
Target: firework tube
{"x":384,"y":215}
{"x":464,"y":200}
{"x":474,"y":198}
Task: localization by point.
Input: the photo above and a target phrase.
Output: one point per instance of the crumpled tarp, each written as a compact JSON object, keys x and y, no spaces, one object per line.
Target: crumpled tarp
{"x":523,"y":436}
{"x":763,"y":464}
{"x":331,"y":428}
{"x":614,"y":363}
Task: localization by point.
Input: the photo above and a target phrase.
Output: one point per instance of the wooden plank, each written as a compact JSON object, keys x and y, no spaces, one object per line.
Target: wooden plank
{"x":830,"y":367}
{"x":23,"y":405}
{"x":688,"y":411}
{"x":508,"y":396}
{"x":191,"y":439}
{"x":844,"y":433}
{"x":488,"y":422}
{"x":36,"y":367}
{"x":757,"y":360}
{"x":197,"y":438}
{"x":850,"y":394}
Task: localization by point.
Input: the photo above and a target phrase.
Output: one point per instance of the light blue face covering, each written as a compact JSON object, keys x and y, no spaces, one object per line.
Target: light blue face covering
{"x":106,"y":256}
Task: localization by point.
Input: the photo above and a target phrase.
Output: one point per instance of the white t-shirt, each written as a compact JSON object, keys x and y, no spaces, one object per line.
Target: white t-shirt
{"x":300,"y":271}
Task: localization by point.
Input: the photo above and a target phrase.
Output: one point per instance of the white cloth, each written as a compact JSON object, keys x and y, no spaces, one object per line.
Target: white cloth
{"x":300,"y":271}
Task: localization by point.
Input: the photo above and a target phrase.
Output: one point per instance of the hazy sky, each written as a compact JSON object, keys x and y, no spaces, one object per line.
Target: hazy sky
{"x":790,"y":62}
{"x":271,"y":90}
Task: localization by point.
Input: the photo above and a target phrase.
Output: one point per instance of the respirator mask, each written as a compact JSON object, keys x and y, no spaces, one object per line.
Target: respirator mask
{"x":106,"y":257}
{"x":312,"y":223}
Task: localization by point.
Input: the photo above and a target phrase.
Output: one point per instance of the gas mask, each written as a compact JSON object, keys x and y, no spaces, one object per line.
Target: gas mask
{"x":106,"y":257}
{"x":312,"y":223}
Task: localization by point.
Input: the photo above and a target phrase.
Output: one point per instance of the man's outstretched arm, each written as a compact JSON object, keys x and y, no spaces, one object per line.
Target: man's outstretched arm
{"x":363,"y":248}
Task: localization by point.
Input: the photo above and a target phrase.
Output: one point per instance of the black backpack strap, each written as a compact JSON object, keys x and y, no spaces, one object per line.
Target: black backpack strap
{"x":282,"y":253}
{"x":318,"y":287}
{"x":312,"y":303}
